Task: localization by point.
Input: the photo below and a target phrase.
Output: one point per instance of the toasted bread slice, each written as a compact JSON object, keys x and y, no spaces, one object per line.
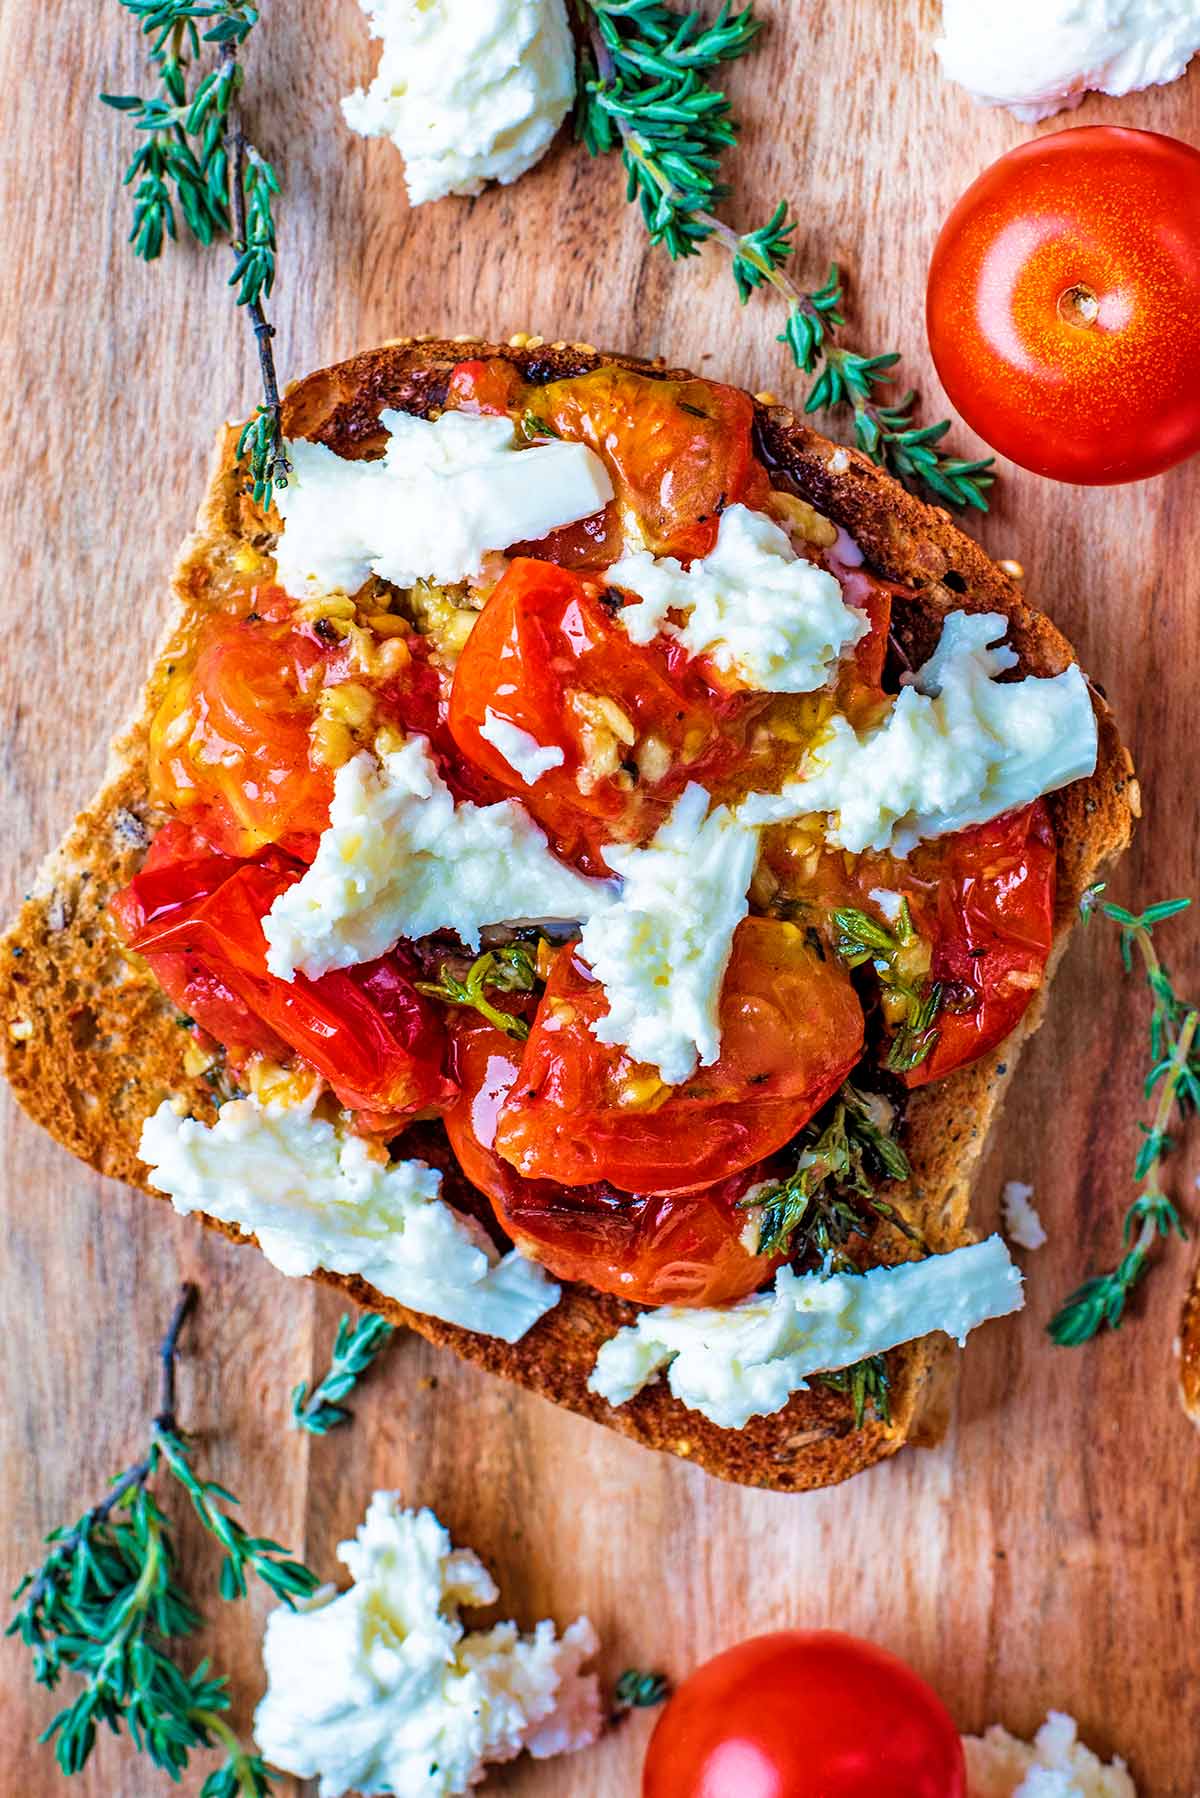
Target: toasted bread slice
{"x":93,"y":1045}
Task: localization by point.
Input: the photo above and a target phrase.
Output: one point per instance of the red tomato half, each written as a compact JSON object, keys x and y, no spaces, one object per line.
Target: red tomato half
{"x":198,"y":923}
{"x":669,"y":1249}
{"x":791,"y":1031}
{"x":1064,"y":304}
{"x":548,"y":657}
{"x":805,"y":1714}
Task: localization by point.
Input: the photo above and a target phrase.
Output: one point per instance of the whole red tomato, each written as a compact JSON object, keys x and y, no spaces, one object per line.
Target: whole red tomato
{"x":805,"y":1714}
{"x":1064,"y":304}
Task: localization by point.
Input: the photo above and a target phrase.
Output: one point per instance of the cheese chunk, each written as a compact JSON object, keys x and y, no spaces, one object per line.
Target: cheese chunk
{"x":443,"y":495}
{"x":1022,"y":1224}
{"x":316,"y":1197}
{"x":735,"y":1362}
{"x":1054,"y":1765}
{"x":400,"y":860}
{"x":524,"y":754}
{"x":957,"y":748}
{"x":382,"y":1689}
{"x":661,"y":951}
{"x":469,"y":91}
{"x":759,"y":611}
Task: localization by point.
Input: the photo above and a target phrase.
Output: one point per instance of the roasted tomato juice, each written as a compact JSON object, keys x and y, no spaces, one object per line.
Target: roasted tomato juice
{"x":586,"y":1158}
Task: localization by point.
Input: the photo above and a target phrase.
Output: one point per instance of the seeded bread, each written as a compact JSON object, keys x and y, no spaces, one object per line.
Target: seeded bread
{"x":92,"y":1044}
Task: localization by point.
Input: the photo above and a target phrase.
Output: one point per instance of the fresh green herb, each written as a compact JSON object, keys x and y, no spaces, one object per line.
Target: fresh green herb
{"x":533,"y":428}
{"x":867,"y":1383}
{"x":354,"y":1348}
{"x":637,"y":1691}
{"x":647,"y":92}
{"x":106,"y":1606}
{"x":511,"y":969}
{"x":194,"y":159}
{"x":899,"y":960}
{"x":1175,"y":1074}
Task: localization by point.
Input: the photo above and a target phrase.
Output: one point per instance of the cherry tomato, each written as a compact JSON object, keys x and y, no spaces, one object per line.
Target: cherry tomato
{"x":666,"y":1249}
{"x":634,"y":725}
{"x":791,"y":1031}
{"x":198,"y":923}
{"x":1064,"y":304}
{"x":805,"y":1714}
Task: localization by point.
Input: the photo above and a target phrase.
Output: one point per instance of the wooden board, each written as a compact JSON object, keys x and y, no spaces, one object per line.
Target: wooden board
{"x":1046,"y":1554}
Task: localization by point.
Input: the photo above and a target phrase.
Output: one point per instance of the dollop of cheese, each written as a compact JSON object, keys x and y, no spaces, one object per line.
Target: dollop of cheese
{"x":469,"y":91}
{"x":957,"y":748}
{"x":661,"y":950}
{"x":382,"y":1689}
{"x":524,"y":754}
{"x":316,"y":1196}
{"x":444,"y":494}
{"x":735,"y":1362}
{"x":1038,"y":56}
{"x":400,"y":860}
{"x":1054,"y":1765}
{"x":762,"y":613}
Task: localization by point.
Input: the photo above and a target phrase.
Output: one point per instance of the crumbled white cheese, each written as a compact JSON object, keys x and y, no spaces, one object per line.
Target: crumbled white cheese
{"x":1022,"y":1224}
{"x":443,"y":495}
{"x":400,"y":860}
{"x":381,"y":1688}
{"x":957,"y":748}
{"x":735,"y":1362}
{"x":1054,"y":1765}
{"x":317,"y":1197}
{"x":468,"y":90}
{"x":524,"y":754}
{"x":1038,"y":56}
{"x":661,"y":951}
{"x":760,"y":611}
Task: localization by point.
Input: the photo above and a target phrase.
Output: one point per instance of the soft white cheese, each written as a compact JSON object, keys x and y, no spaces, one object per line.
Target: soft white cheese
{"x":759,"y":611}
{"x":524,"y":754}
{"x":1022,"y":1224}
{"x":317,"y":1197}
{"x":735,"y":1362}
{"x":957,"y":748}
{"x":443,"y":495}
{"x":661,"y":951}
{"x":400,"y":860}
{"x":469,"y":91}
{"x":381,"y":1689}
{"x":1055,"y":1765}
{"x":1039,"y":56}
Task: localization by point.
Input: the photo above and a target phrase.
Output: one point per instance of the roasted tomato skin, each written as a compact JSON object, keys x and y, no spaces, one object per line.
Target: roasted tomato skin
{"x":664,"y":1249}
{"x":791,"y":1031}
{"x":198,"y":923}
{"x":547,"y":656}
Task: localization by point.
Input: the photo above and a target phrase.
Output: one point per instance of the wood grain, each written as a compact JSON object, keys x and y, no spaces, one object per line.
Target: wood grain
{"x":1046,"y":1553}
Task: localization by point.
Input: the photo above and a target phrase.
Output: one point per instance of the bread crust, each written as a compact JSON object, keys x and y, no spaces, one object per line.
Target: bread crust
{"x":92,"y":1045}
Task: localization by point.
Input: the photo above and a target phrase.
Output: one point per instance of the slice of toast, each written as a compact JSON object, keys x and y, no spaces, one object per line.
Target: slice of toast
{"x":93,"y":1044}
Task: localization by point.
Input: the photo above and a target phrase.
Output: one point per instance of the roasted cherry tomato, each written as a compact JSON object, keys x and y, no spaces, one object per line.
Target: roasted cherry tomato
{"x":1064,"y":304}
{"x":198,"y":923}
{"x":791,"y":1030}
{"x":805,"y":1714}
{"x":678,"y":452}
{"x":669,"y":1249}
{"x":633,"y":725}
{"x":985,"y":899}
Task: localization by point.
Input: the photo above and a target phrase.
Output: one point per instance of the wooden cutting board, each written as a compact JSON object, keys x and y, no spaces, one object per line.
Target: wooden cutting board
{"x":1046,"y":1553}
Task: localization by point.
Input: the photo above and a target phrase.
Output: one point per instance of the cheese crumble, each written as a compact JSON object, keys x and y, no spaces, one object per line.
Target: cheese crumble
{"x":1054,"y":1765}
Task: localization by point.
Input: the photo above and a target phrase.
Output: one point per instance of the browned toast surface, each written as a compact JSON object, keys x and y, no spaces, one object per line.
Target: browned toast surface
{"x":93,"y":1045}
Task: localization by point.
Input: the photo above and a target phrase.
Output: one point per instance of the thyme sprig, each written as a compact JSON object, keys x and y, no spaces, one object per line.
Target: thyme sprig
{"x":1174,"y":1074}
{"x":194,"y":160}
{"x":355,"y":1347}
{"x":107,"y":1607}
{"x":866,"y":1383}
{"x":899,"y":960}
{"x":638,"y":1691}
{"x":510,"y":969}
{"x":647,"y":93}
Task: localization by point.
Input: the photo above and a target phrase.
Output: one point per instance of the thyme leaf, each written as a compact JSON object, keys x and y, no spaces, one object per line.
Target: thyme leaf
{"x":899,"y":962}
{"x":867,"y":1383}
{"x":638,"y":1691}
{"x":510,"y":969}
{"x":355,"y":1347}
